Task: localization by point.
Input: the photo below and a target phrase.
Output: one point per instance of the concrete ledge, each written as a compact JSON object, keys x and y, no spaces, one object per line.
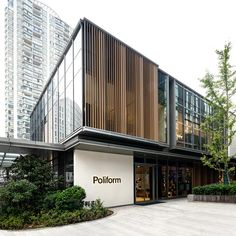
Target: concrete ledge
{"x":212,"y":198}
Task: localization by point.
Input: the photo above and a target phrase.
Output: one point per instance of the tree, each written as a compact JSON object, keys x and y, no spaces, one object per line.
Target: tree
{"x":219,"y":123}
{"x":17,"y":196}
{"x":35,"y":170}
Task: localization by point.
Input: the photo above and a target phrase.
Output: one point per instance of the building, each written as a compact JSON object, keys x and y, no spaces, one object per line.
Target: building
{"x":35,"y":38}
{"x":131,"y":131}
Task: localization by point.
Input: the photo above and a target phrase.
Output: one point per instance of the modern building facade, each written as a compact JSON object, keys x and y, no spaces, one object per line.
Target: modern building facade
{"x":132,"y":131}
{"x":35,"y":38}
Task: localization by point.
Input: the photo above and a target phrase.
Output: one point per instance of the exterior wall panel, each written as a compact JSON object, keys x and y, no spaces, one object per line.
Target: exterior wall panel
{"x":88,"y":165}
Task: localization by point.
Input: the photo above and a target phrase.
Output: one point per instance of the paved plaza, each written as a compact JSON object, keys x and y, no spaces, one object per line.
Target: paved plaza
{"x":174,"y":217}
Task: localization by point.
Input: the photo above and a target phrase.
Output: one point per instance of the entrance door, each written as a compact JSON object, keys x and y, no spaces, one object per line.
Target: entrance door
{"x":144,"y":182}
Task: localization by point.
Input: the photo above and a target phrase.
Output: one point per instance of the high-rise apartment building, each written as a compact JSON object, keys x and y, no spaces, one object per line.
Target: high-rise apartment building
{"x":35,"y":38}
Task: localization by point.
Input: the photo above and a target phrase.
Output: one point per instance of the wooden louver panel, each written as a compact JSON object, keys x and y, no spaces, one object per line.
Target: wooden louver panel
{"x":120,"y":86}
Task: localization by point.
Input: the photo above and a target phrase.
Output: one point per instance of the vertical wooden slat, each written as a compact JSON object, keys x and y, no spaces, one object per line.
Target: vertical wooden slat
{"x":123,"y":90}
{"x":121,"y":87}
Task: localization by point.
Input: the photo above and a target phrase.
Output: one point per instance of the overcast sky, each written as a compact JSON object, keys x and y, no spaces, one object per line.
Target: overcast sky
{"x":180,"y":36}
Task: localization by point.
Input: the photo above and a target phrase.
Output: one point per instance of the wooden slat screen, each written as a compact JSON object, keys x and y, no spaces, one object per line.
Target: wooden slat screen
{"x":121,"y":86}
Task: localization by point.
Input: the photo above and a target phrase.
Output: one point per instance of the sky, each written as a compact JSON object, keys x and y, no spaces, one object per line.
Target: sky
{"x":180,"y":36}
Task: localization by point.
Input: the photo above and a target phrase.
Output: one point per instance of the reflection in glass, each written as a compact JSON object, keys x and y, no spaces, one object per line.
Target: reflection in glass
{"x":190,"y":111}
{"x":184,"y":180}
{"x":172,"y":179}
{"x":59,"y":111}
{"x":163,"y":192}
{"x":69,"y":109}
{"x":61,"y":117}
{"x":162,"y":106}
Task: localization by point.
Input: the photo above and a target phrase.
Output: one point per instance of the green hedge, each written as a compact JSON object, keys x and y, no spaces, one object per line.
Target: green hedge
{"x":215,"y":189}
{"x":54,"y":217}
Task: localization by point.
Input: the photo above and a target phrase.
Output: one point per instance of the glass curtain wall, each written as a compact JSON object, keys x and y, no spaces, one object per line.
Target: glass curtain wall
{"x":58,"y":112}
{"x":190,"y":111}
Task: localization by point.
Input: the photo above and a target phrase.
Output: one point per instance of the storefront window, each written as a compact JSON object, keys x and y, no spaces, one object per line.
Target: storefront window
{"x":172,"y":177}
{"x":184,"y":180}
{"x":144,"y":182}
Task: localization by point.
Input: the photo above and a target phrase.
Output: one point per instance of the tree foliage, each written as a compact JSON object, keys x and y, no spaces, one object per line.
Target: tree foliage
{"x":17,"y":196}
{"x":219,"y":123}
{"x":35,"y":170}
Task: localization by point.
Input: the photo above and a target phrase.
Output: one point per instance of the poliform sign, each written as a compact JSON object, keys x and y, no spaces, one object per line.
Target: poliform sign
{"x":106,"y":180}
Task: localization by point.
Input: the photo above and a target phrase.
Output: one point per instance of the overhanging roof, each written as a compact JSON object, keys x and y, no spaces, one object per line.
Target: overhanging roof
{"x":11,"y":148}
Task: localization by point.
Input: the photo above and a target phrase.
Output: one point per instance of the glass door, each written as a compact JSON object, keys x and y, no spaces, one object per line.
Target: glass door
{"x":144,"y":182}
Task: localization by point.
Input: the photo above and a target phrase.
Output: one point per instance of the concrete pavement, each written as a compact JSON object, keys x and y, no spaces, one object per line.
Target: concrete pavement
{"x":175,"y":217}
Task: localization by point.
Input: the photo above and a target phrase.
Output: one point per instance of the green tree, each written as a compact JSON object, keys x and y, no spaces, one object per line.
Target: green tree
{"x":17,"y":196}
{"x":220,"y":123}
{"x":35,"y":170}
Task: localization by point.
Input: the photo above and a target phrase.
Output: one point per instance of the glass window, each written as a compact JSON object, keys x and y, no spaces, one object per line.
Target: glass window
{"x":77,"y":43}
{"x":179,"y":94}
{"x":69,"y":75}
{"x":179,"y":114}
{"x":69,"y":57}
{"x":61,"y":70}
{"x":77,"y":63}
{"x":184,"y":180}
{"x":55,"y":119}
{"x":45,"y":102}
{"x":49,"y":90}
{"x":69,"y":109}
{"x":50,"y":126}
{"x":61,"y":117}
{"x":78,"y":100}
{"x":162,"y":106}
{"x":77,"y":53}
{"x":172,"y":177}
{"x":162,"y":178}
{"x":55,"y":81}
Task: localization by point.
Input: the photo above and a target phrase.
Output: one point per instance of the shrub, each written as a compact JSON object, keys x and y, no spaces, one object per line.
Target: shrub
{"x":55,"y":218}
{"x":98,"y":209}
{"x":11,"y":222}
{"x":215,"y":189}
{"x":233,"y":190}
{"x":17,"y":196}
{"x":70,"y":199}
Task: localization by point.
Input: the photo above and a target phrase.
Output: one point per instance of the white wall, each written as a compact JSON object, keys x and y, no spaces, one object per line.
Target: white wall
{"x":232,"y":147}
{"x":88,"y":164}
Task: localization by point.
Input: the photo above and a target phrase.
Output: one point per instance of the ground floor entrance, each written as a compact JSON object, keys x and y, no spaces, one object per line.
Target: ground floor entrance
{"x":158,"y":178}
{"x":144,"y":182}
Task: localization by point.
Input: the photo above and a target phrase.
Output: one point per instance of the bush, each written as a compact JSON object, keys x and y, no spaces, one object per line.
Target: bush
{"x":98,"y":209}
{"x":233,"y":190}
{"x":70,"y":199}
{"x":11,"y":222}
{"x":17,"y":196}
{"x":53,"y":217}
{"x":215,"y":189}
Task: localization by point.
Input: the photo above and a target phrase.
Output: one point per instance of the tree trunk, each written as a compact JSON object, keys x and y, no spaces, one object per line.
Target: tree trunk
{"x":226,"y":175}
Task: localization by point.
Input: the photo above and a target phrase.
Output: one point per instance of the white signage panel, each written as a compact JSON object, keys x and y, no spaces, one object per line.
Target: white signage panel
{"x":106,"y":176}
